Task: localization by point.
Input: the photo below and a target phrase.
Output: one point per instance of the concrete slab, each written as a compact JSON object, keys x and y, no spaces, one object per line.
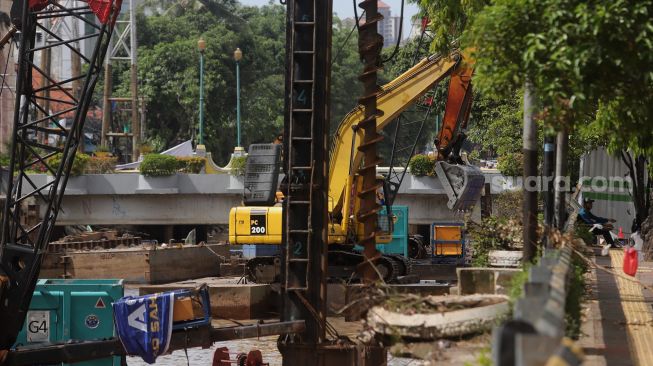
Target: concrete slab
{"x":427,"y":271}
{"x":360,"y":300}
{"x":336,"y":298}
{"x":205,"y":199}
{"x":477,"y":280}
{"x":229,"y":298}
{"x":424,"y":288}
{"x":136,"y":265}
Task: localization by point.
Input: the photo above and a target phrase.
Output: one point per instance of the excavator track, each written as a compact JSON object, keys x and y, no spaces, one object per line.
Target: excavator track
{"x":263,"y":269}
{"x":342,"y":266}
{"x":405,"y":264}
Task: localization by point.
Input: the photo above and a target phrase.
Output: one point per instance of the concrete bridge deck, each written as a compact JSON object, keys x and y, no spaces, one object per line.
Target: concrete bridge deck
{"x":205,"y":199}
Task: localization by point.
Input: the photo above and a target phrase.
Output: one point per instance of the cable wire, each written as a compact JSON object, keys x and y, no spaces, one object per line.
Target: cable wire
{"x":335,"y":59}
{"x":401,"y":26}
{"x":356,"y":13}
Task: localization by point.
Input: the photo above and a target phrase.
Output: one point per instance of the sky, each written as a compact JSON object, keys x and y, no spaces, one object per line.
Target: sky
{"x":345,"y":9}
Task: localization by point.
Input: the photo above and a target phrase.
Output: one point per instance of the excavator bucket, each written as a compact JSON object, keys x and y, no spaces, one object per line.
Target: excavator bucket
{"x":462,"y":183}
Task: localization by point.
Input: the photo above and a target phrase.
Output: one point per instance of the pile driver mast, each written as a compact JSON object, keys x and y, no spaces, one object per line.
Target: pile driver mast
{"x":306,"y":165}
{"x":306,"y":128}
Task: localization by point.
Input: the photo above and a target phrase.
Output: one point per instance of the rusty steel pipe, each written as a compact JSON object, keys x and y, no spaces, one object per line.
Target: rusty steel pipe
{"x":370,"y":43}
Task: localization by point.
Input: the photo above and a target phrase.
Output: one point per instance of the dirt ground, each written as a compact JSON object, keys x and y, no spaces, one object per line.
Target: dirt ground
{"x":443,"y":352}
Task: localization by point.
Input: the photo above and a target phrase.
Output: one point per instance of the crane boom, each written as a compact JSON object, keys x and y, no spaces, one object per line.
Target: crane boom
{"x":39,"y":136}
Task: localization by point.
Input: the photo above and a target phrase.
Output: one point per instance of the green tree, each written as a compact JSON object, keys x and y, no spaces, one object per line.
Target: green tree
{"x":495,"y":128}
{"x":345,"y":68}
{"x":169,"y":72}
{"x":581,"y":57}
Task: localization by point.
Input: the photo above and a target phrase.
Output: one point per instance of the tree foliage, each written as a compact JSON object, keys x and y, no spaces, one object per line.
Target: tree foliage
{"x":169,"y":72}
{"x":345,"y":68}
{"x":496,"y":130}
{"x":590,"y":62}
{"x":581,"y":57}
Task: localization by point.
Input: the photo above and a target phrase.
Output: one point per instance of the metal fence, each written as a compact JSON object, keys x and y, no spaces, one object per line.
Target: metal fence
{"x":535,"y":335}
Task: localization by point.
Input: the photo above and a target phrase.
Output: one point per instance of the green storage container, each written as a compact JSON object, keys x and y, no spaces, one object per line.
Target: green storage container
{"x":72,"y":309}
{"x":399,"y":243}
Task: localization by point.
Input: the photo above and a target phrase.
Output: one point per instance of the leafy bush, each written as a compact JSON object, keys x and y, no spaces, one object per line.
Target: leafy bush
{"x":493,"y":234}
{"x":102,"y":149}
{"x":38,"y":168}
{"x":422,"y":165}
{"x":581,"y":231}
{"x":575,"y":297}
{"x":576,"y":285}
{"x":484,"y":358}
{"x":158,"y":165}
{"x":145,"y":148}
{"x":516,"y":288}
{"x":511,"y":164}
{"x":101,"y":165}
{"x":79,"y":164}
{"x":508,"y":205}
{"x":4,"y":160}
{"x":191,"y":165}
{"x":238,"y":164}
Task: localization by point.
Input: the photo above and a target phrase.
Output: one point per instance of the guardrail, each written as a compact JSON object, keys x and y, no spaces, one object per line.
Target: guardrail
{"x":535,"y":334}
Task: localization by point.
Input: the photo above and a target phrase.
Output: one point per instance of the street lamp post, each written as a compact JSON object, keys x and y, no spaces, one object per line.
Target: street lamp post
{"x":201,"y":46}
{"x":238,"y":55}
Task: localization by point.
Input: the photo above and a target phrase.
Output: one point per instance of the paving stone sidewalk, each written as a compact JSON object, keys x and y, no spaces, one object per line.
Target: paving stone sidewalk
{"x":618,"y":319}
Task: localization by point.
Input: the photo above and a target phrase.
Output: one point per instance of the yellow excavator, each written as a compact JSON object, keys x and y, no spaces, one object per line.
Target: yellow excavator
{"x":462,"y":183}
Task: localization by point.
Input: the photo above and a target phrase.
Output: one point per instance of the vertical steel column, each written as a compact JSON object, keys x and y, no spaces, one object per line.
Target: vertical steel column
{"x":75,"y":60}
{"x":530,"y":176}
{"x":561,"y":174}
{"x":106,"y":102}
{"x":46,"y":66}
{"x":133,"y":45}
{"x":123,"y":48}
{"x":548,"y":166}
{"x":76,"y":67}
{"x":370,"y":43}
{"x":58,"y":30}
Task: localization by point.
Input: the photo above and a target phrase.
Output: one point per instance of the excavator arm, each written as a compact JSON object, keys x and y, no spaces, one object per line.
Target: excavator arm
{"x":456,"y":112}
{"x":461,"y":183}
{"x":395,"y":97}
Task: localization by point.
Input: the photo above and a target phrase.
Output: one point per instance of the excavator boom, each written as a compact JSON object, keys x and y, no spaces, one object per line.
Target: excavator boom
{"x":395,"y":97}
{"x":457,"y":109}
{"x":463,"y":183}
